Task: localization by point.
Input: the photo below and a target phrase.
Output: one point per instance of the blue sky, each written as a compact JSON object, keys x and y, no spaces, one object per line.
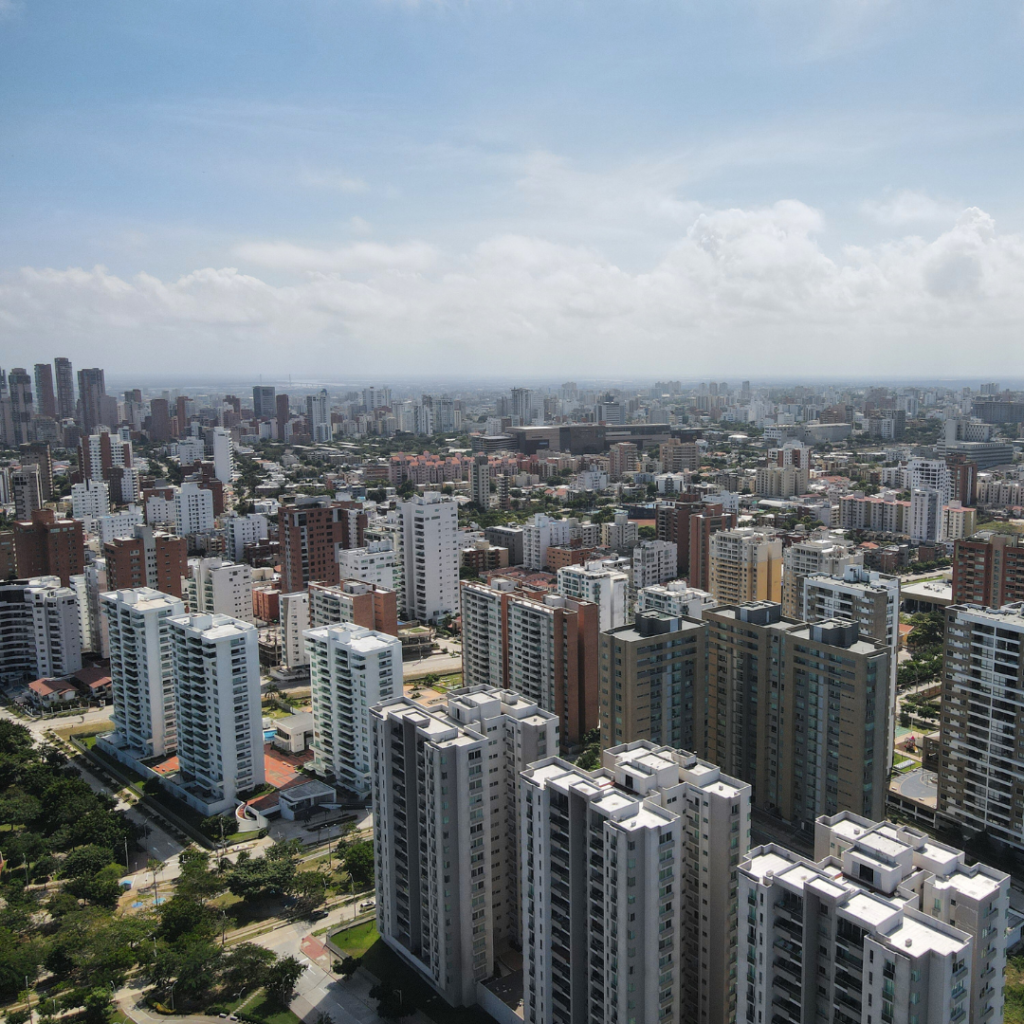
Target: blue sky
{"x":332,"y":185}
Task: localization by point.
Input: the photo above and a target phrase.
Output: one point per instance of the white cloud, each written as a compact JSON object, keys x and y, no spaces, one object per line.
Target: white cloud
{"x":748,"y":291}
{"x":908,"y":207}
{"x":332,"y":180}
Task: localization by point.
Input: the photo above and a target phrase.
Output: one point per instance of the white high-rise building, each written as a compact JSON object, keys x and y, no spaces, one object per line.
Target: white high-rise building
{"x":90,"y":500}
{"x":430,"y":525}
{"x":216,"y":586}
{"x":294,"y":620}
{"x":141,"y":669}
{"x":351,"y":669}
{"x":480,"y":481}
{"x":605,"y":587}
{"x":888,"y":923}
{"x":217,"y":698}
{"x":446,"y":797}
{"x":375,"y":563}
{"x":925,"y":515}
{"x":541,"y":533}
{"x":193,"y":509}
{"x":191,"y":450}
{"x":117,"y":524}
{"x":822,"y":552}
{"x":40,"y":629}
{"x":930,"y":474}
{"x":654,"y":562}
{"x":223,"y":455}
{"x":869,"y":598}
{"x":241,"y":530}
{"x":629,"y":883}
{"x":676,"y":599}
{"x":95,"y":575}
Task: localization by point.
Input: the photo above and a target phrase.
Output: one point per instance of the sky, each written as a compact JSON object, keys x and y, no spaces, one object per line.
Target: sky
{"x":344,"y":188}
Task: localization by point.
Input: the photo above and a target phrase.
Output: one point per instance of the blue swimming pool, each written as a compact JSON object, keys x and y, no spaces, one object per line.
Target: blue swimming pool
{"x":268,"y":735}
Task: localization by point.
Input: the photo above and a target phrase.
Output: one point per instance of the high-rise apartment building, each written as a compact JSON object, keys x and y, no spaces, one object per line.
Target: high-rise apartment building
{"x":622,"y":459}
{"x":48,"y":546}
{"x":930,"y":474}
{"x":543,"y":646}
{"x":89,"y":500}
{"x":294,"y":619}
{"x":19,"y":385}
{"x":240,"y":530}
{"x":46,"y":399}
{"x":672,"y":519}
{"x":142,"y":669}
{"x":654,"y":562}
{"x":430,"y":525}
{"x":925,"y":515}
{"x":217,"y":701}
{"x":822,"y":552}
{"x":214,"y":586}
{"x":65,"y":381}
{"x":676,"y":599}
{"x":148,"y":558}
{"x":869,"y":598}
{"x":988,"y":569}
{"x":801,"y":711}
{"x":375,"y":563}
{"x":193,"y":509}
{"x":447,"y":830}
{"x":649,"y":672}
{"x":40,"y":629}
{"x":351,"y":669}
{"x":868,"y":931}
{"x":121,"y":523}
{"x":223,"y":455}
{"x":27,"y":492}
{"x":620,"y":534}
{"x":264,"y":402}
{"x":311,"y":532}
{"x":38,"y":453}
{"x":160,"y":428}
{"x":703,"y":526}
{"x":100,"y":453}
{"x":595,"y":582}
{"x":539,"y":534}
{"x":746,"y":565}
{"x":630,"y":887}
{"x":282,"y":412}
{"x":480,"y":481}
{"x":981,"y":779}
{"x":92,"y":391}
{"x":362,"y":604}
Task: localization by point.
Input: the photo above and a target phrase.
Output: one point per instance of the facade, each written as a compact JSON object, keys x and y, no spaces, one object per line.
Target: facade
{"x":362,"y":604}
{"x":241,"y":530}
{"x":91,"y":394}
{"x":541,"y":533}
{"x":510,"y":537}
{"x":925,"y":515}
{"x":672,"y":523}
{"x":866,"y":931}
{"x":649,"y":673}
{"x":981,"y":776}
{"x":223,"y":455}
{"x":622,"y":459}
{"x":822,"y":552}
{"x":48,"y":546}
{"x":65,"y":380}
{"x":351,"y":669}
{"x":430,"y":525}
{"x":869,"y":598}
{"x":480,"y":481}
{"x":294,"y":613}
{"x":800,"y":711}
{"x":26,"y":491}
{"x":375,"y":563}
{"x":654,"y":562}
{"x":217,"y":701}
{"x":746,"y":565}
{"x":40,"y":629}
{"x":142,"y":669}
{"x":100,"y":453}
{"x":988,"y":569}
{"x":543,"y":646}
{"x":958,"y":521}
{"x":446,"y":798}
{"x":675,"y":599}
{"x":90,"y":500}
{"x":117,"y":524}
{"x":149,"y":558}
{"x":311,"y":532}
{"x":607,"y":588}
{"x":264,"y":402}
{"x":630,"y":888}
{"x":193,"y":509}
{"x":215,"y":586}
{"x":703,"y":526}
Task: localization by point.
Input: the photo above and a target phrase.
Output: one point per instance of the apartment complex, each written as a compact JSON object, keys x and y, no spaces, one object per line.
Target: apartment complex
{"x":362,"y":604}
{"x":654,"y":562}
{"x":219,"y":587}
{"x":981,"y":775}
{"x":650,"y":673}
{"x":351,"y":669}
{"x":868,"y":930}
{"x":40,"y":629}
{"x":801,"y":711}
{"x":311,"y":531}
{"x":745,"y":565}
{"x":217,"y":702}
{"x":48,"y":546}
{"x":543,"y":646}
{"x":149,"y":558}
{"x":630,"y":888}
{"x":601,"y":585}
{"x":674,"y":598}
{"x":988,"y":569}
{"x":142,"y":669}
{"x":430,"y":547}
{"x":871,"y":599}
{"x":376,"y":563}
{"x":446,"y":829}
{"x":823,"y":552}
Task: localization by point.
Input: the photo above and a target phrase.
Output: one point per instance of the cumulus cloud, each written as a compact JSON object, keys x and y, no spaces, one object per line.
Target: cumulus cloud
{"x":745,"y":290}
{"x":909,"y":207}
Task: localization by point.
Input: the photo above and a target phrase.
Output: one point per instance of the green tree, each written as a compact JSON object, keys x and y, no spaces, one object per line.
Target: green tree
{"x":97,"y":1006}
{"x":185,"y":915}
{"x":18,"y":960}
{"x":359,"y":862}
{"x":244,"y":966}
{"x":101,"y":889}
{"x":281,"y":978}
{"x":310,"y":887}
{"x":86,"y":860}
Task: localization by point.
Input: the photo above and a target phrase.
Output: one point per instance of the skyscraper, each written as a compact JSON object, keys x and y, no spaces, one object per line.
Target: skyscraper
{"x":281,"y":412}
{"x":746,"y":565}
{"x":19,"y":385}
{"x":264,"y":402}
{"x":48,"y":546}
{"x":141,"y":669}
{"x":92,"y":391}
{"x":430,"y":524}
{"x":65,"y":381}
{"x":311,"y":531}
{"x":46,"y":400}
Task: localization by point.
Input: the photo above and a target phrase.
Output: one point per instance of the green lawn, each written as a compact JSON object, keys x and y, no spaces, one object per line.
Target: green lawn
{"x":356,"y":940}
{"x":270,"y":1010}
{"x":1013,"y":1012}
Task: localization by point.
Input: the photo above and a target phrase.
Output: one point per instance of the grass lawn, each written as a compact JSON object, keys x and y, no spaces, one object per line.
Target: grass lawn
{"x":382,"y":963}
{"x":356,"y":940}
{"x":1013,"y":1012}
{"x":271,"y":1011}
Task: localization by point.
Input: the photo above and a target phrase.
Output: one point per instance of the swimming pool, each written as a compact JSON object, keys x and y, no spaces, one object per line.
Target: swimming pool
{"x":268,"y":735}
